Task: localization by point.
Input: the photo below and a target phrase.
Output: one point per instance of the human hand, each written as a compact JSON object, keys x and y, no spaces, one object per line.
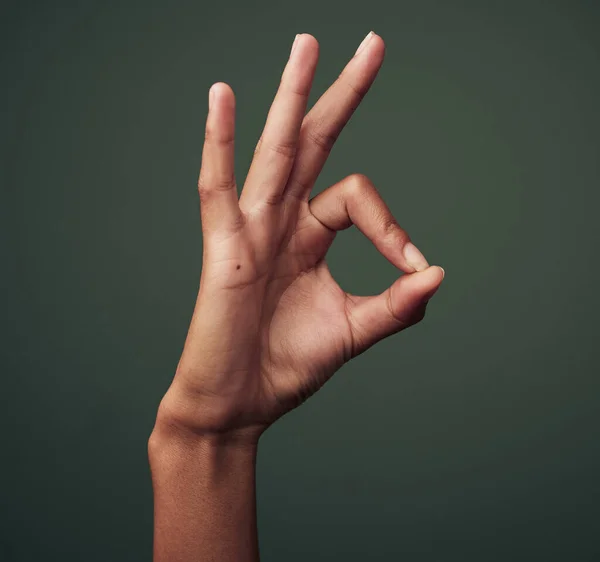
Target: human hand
{"x":271,"y":325}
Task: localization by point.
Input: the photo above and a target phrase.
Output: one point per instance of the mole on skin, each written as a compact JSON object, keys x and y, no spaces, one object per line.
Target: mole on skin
{"x":238,"y":266}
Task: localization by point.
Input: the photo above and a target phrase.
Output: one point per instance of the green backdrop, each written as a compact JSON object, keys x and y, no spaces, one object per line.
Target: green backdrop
{"x":471,"y":437}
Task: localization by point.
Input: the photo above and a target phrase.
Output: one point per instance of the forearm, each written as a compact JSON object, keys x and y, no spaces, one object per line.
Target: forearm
{"x":204,"y":497}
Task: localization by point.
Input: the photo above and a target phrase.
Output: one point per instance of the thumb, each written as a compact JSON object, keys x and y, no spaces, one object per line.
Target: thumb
{"x":400,"y":306}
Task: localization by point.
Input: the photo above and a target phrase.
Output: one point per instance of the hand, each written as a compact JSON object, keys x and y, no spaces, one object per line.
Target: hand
{"x":271,"y":325}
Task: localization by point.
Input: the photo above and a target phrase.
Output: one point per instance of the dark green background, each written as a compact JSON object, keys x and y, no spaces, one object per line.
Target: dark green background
{"x":473,"y":436}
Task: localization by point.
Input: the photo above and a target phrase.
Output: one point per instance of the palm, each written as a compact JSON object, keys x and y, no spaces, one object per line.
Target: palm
{"x":307,"y":336}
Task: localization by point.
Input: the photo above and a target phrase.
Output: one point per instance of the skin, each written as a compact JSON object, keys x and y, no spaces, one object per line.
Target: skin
{"x":270,"y":324}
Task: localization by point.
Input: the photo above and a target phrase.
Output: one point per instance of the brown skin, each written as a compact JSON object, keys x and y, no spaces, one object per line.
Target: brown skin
{"x":270,"y":325}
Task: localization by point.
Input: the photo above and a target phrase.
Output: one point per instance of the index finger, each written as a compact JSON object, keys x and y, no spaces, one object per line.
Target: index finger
{"x":355,"y":200}
{"x":325,"y":121}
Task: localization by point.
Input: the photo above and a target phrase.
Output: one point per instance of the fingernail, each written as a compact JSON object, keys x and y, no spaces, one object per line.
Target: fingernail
{"x":443,"y":272}
{"x":364,"y":43}
{"x":414,"y":257}
{"x":294,"y":44}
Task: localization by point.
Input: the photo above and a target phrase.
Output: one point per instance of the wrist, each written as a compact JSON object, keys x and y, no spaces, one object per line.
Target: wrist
{"x":212,"y":461}
{"x":173,"y":434}
{"x":172,"y":439}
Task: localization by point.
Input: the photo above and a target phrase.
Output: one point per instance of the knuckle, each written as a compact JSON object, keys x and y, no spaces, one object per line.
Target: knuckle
{"x":389,"y":226}
{"x":405,"y":321}
{"x":213,"y":135}
{"x":205,"y":195}
{"x":202,"y":186}
{"x":286,"y":149}
{"x":361,"y":180}
{"x":319,"y":137}
{"x":208,"y":186}
{"x":398,"y":320}
{"x":356,"y":92}
{"x":290,"y":87}
{"x":209,"y":132}
{"x":358,"y":184}
{"x":224,"y":183}
{"x":391,"y":230}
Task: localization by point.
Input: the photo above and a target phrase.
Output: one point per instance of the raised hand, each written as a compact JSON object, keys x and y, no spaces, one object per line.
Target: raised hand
{"x":271,"y":325}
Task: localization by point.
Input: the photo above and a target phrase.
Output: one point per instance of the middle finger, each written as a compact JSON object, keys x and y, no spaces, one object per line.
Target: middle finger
{"x":276,"y":149}
{"x":325,"y":121}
